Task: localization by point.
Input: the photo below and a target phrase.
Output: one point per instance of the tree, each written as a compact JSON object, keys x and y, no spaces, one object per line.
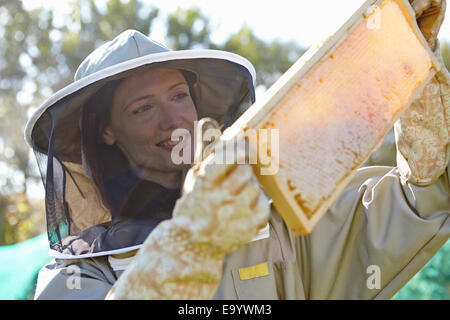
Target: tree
{"x":188,"y":29}
{"x":90,"y":27}
{"x":16,"y":27}
{"x":271,"y":59}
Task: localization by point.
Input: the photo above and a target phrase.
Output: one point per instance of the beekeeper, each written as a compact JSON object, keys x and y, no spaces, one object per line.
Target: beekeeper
{"x":120,"y":226}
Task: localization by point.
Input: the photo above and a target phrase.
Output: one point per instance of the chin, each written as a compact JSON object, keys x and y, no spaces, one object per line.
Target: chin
{"x":177,"y":167}
{"x":167,"y":167}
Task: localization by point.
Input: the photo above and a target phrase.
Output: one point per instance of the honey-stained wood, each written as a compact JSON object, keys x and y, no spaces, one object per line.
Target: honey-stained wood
{"x":334,"y":106}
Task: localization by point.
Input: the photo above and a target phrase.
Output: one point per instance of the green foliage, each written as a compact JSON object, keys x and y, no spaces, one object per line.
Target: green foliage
{"x":16,"y":26}
{"x":88,"y":28}
{"x":445,"y":50}
{"x":188,"y":29}
{"x":20,"y":218}
{"x":271,"y":60}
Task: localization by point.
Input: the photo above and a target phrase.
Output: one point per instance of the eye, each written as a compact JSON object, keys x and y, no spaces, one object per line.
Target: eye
{"x":181,"y":96}
{"x":142,"y":109}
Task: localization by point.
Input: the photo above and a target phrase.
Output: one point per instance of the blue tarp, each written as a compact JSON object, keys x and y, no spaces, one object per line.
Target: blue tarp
{"x":19,"y":266}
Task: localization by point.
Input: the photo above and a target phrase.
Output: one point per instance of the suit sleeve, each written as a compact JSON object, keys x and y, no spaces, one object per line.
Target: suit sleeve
{"x":376,"y":236}
{"x":75,"y":279}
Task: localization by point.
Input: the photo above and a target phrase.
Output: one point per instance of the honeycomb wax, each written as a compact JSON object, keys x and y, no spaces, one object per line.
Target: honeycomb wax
{"x":334,"y":106}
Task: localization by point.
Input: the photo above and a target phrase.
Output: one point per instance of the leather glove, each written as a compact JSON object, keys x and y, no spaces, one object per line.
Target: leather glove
{"x":222,"y":208}
{"x":422,"y":132}
{"x":430,"y":15}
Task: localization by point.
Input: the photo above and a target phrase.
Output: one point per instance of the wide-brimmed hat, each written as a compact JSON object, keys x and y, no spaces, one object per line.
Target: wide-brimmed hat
{"x":223,"y":81}
{"x":78,"y":224}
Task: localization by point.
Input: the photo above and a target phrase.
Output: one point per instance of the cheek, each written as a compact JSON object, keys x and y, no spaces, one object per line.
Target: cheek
{"x":145,"y":134}
{"x":138,"y":134}
{"x":138,"y":145}
{"x":193,"y":113}
{"x":190,"y":113}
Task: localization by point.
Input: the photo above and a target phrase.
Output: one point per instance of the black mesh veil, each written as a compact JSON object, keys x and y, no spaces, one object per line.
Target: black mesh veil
{"x":54,"y":178}
{"x":78,"y":221}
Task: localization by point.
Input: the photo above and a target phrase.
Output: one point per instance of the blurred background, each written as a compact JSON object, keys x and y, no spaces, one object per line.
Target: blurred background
{"x":43,"y":42}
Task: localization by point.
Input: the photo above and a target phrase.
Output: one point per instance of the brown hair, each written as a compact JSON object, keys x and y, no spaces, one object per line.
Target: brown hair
{"x":102,"y":160}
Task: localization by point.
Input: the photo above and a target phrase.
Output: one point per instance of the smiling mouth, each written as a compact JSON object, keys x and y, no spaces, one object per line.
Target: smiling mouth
{"x":168,"y":143}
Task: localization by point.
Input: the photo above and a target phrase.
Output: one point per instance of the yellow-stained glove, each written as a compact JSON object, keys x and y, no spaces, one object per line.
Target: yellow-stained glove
{"x":222,"y":208}
{"x":430,"y":16}
{"x":423,"y":132}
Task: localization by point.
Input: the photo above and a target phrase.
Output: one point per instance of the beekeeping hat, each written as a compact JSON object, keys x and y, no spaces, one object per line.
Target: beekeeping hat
{"x":222,"y":83}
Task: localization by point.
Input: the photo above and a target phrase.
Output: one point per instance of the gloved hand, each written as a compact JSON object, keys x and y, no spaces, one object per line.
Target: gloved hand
{"x":222,"y":207}
{"x":226,"y":207}
{"x":430,"y":15}
{"x":422,"y":133}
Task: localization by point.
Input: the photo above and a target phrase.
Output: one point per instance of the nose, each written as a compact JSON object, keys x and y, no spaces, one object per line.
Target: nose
{"x":171,"y":118}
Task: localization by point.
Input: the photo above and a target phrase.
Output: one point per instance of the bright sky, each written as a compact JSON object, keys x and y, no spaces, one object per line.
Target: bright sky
{"x":306,"y":22}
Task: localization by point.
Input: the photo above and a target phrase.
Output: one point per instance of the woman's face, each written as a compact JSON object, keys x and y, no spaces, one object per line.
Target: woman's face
{"x":146,"y":108}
